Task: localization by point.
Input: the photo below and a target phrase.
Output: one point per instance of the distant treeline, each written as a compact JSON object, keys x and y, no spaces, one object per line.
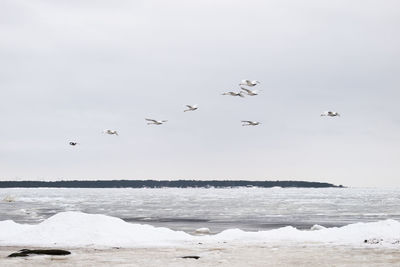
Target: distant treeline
{"x":159,"y":184}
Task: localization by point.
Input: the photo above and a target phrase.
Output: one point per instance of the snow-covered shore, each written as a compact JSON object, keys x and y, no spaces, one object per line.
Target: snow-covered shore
{"x":77,"y":229}
{"x":219,"y":254}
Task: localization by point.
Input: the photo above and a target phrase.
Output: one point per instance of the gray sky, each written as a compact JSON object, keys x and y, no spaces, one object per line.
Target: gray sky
{"x":70,"y":69}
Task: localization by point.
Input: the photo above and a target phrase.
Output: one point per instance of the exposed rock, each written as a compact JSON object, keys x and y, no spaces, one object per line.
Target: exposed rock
{"x":27,"y":252}
{"x":191,"y":257}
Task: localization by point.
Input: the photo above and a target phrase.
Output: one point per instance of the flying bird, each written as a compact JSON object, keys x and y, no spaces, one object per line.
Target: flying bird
{"x":110,"y":132}
{"x":330,"y":114}
{"x":73,"y":143}
{"x":155,"y":122}
{"x":250,"y":123}
{"x":234,"y":94}
{"x":249,"y":83}
{"x":249,"y":92}
{"x":191,"y":108}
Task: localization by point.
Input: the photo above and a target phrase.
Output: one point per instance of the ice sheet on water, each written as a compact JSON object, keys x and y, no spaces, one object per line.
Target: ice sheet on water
{"x":250,"y":209}
{"x":77,"y":229}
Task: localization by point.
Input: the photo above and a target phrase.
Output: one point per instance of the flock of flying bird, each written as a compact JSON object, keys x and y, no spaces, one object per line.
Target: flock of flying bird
{"x":241,"y":93}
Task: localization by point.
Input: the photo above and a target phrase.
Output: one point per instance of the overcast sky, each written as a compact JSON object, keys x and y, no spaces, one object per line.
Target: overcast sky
{"x":70,"y":69}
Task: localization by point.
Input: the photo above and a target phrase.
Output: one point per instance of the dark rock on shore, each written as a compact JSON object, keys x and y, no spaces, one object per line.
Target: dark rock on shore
{"x":27,"y":252}
{"x":373,"y":241}
{"x":191,"y":257}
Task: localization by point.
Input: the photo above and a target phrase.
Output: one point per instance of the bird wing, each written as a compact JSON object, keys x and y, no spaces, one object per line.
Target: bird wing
{"x":189,"y":106}
{"x":151,"y":120}
{"x":245,"y":89}
{"x":247,"y":121}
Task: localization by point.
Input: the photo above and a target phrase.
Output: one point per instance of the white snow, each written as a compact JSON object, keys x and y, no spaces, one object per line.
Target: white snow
{"x":77,"y":229}
{"x":352,"y":234}
{"x":81,"y":229}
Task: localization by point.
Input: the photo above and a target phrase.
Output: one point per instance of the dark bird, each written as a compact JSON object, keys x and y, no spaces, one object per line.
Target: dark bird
{"x":330,"y":114}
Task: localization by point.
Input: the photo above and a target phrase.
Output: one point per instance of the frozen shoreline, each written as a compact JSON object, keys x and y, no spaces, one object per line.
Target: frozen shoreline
{"x":100,"y":240}
{"x":77,"y":229}
{"x":249,"y":209}
{"x":222,"y":254}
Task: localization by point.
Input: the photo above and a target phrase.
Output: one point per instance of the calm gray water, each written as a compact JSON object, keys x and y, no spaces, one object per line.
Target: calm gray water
{"x":249,"y":209}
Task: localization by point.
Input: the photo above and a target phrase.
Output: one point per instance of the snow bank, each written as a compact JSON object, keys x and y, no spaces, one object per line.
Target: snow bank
{"x":353,"y":234}
{"x":76,"y":229}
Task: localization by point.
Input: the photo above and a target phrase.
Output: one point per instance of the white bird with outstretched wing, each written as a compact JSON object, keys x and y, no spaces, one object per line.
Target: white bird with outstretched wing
{"x":250,"y":123}
{"x":155,"y":122}
{"x":249,"y":92}
{"x":249,"y":83}
{"x":191,"y":108}
{"x":234,"y":94}
{"x":110,"y":132}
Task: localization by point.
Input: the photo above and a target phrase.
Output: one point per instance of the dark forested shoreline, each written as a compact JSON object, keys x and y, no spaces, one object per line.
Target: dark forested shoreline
{"x":160,"y":184}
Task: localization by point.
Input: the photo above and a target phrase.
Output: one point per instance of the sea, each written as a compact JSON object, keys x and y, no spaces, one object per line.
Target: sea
{"x":187,"y":209}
